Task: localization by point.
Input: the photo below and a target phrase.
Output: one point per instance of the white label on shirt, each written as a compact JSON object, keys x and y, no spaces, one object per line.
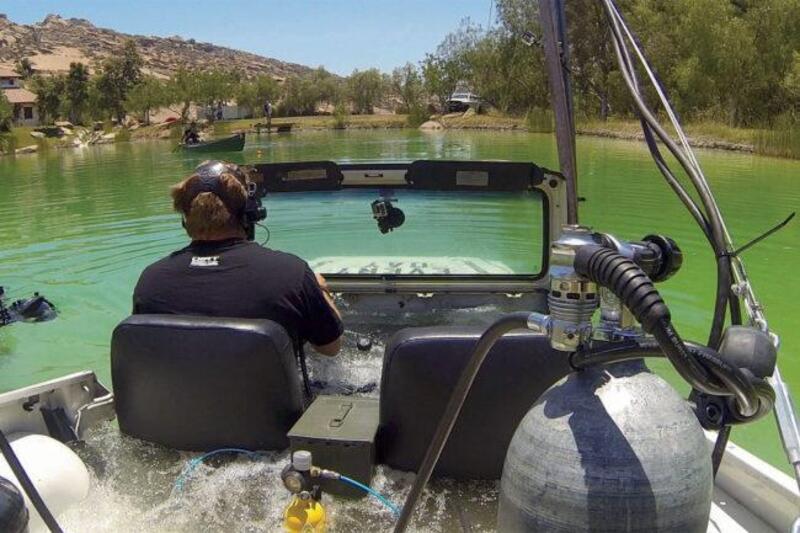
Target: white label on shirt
{"x":210,"y":261}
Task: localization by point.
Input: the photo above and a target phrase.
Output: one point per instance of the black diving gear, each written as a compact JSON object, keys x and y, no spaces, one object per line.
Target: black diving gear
{"x":37,"y":308}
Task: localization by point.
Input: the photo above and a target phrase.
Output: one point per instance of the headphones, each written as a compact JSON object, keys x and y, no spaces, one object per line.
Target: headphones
{"x":251,"y":213}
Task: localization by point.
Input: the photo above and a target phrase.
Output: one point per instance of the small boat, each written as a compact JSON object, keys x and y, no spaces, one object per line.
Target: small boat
{"x":234,"y":143}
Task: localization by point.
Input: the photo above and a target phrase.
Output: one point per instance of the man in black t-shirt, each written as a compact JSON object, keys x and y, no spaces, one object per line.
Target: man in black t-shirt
{"x":223,"y":274}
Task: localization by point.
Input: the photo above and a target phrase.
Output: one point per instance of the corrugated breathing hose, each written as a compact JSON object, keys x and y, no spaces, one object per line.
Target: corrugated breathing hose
{"x":703,"y":369}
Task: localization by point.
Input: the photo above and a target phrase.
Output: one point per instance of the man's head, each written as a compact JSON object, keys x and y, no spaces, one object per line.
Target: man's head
{"x":212,"y":201}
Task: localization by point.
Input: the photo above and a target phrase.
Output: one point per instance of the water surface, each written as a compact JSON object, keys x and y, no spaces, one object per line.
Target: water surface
{"x":80,"y":225}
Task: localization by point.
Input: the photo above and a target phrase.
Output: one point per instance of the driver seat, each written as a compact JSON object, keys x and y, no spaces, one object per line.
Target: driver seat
{"x":199,"y":384}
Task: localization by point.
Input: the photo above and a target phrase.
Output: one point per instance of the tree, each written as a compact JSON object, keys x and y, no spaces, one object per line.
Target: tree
{"x":406,"y":82}
{"x":76,"y":92}
{"x":365,"y":89}
{"x":302,"y":94}
{"x":215,"y":87}
{"x":49,"y":92}
{"x":118,"y":76}
{"x":252,"y":94}
{"x":6,"y":114}
{"x":145,"y":96}
{"x":24,"y":68}
{"x":183,"y":89}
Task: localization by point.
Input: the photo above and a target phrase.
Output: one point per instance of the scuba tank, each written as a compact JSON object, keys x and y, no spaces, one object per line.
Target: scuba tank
{"x":13,"y":513}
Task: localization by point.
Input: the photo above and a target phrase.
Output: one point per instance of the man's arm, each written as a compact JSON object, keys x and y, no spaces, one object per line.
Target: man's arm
{"x":332,"y":348}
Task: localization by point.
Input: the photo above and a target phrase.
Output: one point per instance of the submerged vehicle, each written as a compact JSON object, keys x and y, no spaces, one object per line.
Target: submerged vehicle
{"x":527,"y":369}
{"x":233,"y":143}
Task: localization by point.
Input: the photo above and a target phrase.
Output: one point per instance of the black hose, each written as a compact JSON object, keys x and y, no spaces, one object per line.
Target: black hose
{"x":498,"y":328}
{"x":702,"y":368}
{"x":756,"y":392}
{"x":27,"y":485}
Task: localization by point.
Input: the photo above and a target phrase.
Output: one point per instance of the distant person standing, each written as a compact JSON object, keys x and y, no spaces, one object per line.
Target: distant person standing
{"x":268,"y":114}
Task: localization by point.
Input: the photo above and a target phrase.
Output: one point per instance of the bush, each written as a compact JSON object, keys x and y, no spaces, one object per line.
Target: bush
{"x":123,"y":135}
{"x":781,"y":140}
{"x":540,"y":120}
{"x":8,"y":143}
{"x":417,"y":115}
{"x":339,"y":117}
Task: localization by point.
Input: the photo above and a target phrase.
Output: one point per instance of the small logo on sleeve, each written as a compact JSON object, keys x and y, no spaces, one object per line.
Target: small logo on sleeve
{"x":210,"y":261}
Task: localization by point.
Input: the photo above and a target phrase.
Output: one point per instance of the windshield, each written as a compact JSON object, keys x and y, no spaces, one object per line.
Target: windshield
{"x":444,"y":233}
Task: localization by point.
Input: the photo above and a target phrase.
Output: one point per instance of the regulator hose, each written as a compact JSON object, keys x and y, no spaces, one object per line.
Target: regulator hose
{"x":702,"y":367}
{"x":489,"y":337}
{"x":638,"y":348}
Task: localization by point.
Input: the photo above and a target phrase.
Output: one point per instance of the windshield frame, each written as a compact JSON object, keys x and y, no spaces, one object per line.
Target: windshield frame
{"x":438,"y":175}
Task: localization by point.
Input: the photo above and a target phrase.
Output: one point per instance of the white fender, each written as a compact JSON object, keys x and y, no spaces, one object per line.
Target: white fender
{"x":56,"y":471}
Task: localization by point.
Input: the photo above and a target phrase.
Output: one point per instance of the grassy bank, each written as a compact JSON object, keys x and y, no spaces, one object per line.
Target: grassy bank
{"x":701,"y":134}
{"x":320,"y":122}
{"x":20,"y":137}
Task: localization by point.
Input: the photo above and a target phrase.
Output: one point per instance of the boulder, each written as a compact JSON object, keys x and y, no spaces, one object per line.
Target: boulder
{"x":27,"y":149}
{"x":431,"y":125}
{"x":38,"y":135}
{"x":64,"y":124}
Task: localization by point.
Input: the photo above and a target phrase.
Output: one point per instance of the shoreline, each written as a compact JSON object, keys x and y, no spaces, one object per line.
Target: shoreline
{"x":612,"y":129}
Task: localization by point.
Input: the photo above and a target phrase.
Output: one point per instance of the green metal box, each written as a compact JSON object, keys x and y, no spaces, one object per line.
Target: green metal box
{"x":339,"y":431}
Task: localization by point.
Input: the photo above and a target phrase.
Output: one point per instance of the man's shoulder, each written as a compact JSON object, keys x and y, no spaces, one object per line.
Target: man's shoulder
{"x":273,"y":256}
{"x":170,"y":261}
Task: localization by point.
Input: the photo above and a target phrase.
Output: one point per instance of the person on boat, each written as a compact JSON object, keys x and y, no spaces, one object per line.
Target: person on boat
{"x":221,"y":273}
{"x":190,"y":135}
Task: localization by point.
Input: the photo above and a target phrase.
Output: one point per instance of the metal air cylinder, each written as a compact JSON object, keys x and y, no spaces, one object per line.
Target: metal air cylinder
{"x":611,"y":448}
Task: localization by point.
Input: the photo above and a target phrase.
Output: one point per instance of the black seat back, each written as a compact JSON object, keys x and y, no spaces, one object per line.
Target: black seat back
{"x":198,"y":383}
{"x":420,"y":369}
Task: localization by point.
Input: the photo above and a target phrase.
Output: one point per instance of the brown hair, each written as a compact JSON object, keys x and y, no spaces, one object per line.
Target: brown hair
{"x":206,"y":214}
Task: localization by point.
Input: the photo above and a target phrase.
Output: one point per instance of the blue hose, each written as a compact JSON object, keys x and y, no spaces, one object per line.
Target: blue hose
{"x":369,"y":490}
{"x":191,"y":465}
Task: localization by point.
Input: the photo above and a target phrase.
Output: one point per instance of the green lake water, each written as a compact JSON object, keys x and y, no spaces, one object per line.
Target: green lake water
{"x":79,"y":226}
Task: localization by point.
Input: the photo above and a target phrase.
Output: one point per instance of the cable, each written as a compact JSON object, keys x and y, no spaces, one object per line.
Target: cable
{"x":718,"y":233}
{"x":372,"y":492}
{"x":27,"y":485}
{"x":269,"y":234}
{"x":301,"y":356}
{"x":487,"y":340}
{"x":192,"y":464}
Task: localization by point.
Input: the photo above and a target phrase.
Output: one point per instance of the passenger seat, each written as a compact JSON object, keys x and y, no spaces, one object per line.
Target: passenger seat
{"x":420,"y":370}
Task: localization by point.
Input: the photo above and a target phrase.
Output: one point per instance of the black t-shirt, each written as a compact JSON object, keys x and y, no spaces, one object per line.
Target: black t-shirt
{"x":239,"y":279}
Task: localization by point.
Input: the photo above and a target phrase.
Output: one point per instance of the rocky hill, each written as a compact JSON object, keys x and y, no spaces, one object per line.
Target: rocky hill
{"x":55,"y":42}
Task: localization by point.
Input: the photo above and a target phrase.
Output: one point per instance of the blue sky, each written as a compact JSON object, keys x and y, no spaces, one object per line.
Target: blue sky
{"x":339,"y":34}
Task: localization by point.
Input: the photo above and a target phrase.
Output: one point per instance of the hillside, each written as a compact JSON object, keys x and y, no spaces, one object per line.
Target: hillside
{"x":55,"y":42}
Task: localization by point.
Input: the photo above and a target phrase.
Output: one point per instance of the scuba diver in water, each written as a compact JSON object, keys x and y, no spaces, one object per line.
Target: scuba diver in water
{"x":190,"y":135}
{"x":222,"y":273}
